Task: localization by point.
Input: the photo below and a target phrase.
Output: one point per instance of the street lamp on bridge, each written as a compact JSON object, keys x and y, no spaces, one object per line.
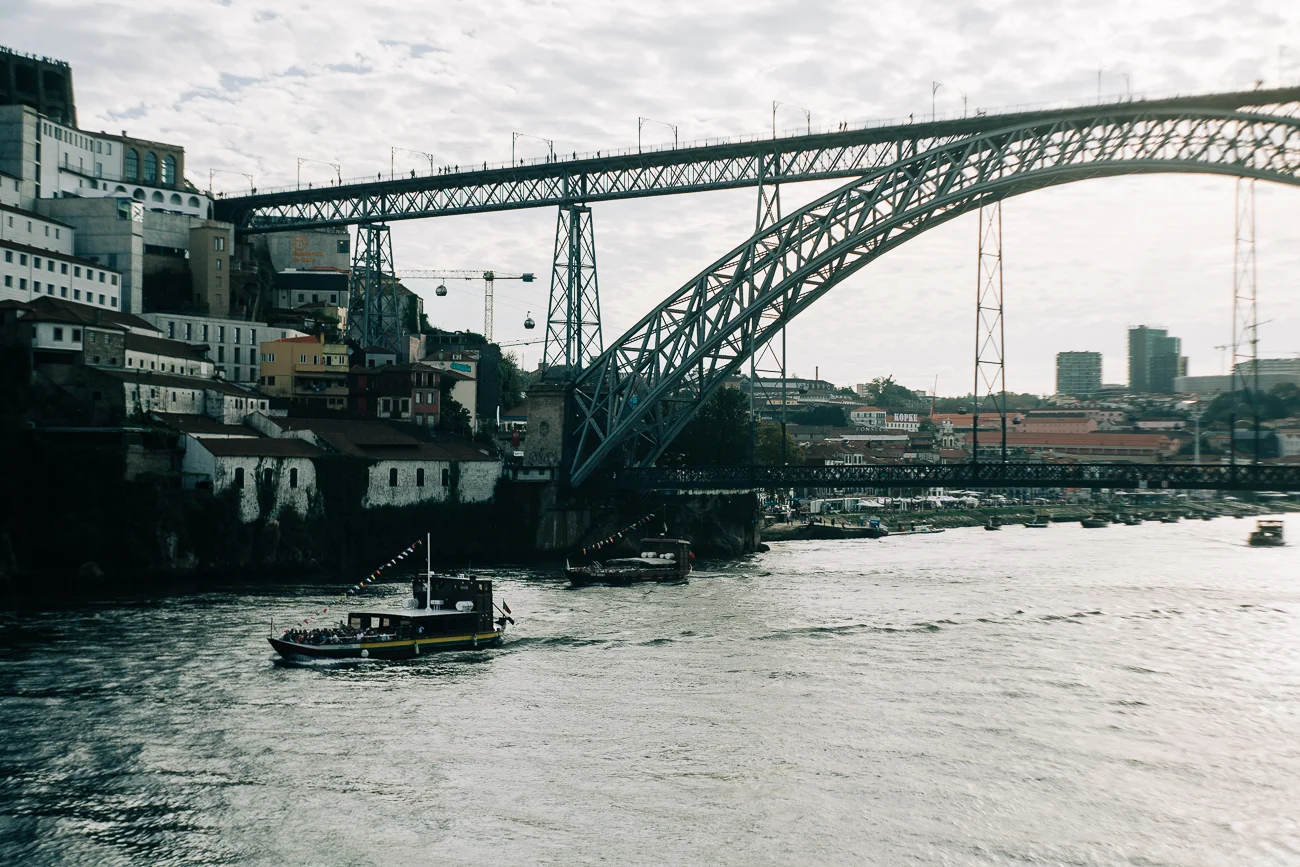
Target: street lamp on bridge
{"x":516,"y":136}
{"x":212,"y":172}
{"x":807,"y":116}
{"x":642,"y":121}
{"x":338,"y":171}
{"x":934,"y":89}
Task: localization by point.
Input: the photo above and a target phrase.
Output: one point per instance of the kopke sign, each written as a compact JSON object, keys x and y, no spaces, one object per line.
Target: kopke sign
{"x":302,"y":253}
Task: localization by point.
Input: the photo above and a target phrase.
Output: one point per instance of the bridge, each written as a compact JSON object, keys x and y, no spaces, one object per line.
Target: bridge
{"x":1240,"y":477}
{"x":622,"y":404}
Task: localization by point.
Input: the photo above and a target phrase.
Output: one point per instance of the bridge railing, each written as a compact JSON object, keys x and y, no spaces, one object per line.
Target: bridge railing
{"x":1240,"y":477}
{"x":716,"y":141}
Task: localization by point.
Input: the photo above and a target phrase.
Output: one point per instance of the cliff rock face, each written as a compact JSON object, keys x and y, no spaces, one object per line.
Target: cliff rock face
{"x":717,"y":525}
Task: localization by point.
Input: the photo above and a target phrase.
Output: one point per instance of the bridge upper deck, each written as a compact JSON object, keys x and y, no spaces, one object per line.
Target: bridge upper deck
{"x":726,"y":164}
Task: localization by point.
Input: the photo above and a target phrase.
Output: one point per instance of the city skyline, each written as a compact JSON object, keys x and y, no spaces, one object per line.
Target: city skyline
{"x":1083,"y":262}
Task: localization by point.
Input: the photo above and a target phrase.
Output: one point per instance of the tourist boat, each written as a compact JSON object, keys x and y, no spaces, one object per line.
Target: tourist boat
{"x":660,"y":560}
{"x":1268,"y":534}
{"x":992,"y":524}
{"x":443,"y":613}
{"x":1037,"y":523}
{"x":1094,"y":522}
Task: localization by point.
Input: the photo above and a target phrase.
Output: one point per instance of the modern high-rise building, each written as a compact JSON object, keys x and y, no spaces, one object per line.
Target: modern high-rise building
{"x":1078,"y":373}
{"x":1154,"y":360}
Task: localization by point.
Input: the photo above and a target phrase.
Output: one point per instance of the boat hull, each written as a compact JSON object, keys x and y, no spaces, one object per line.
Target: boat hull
{"x":1256,"y":542}
{"x":585,"y":578}
{"x":396,"y":649}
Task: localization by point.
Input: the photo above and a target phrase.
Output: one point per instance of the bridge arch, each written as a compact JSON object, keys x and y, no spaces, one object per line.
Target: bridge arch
{"x":639,"y":394}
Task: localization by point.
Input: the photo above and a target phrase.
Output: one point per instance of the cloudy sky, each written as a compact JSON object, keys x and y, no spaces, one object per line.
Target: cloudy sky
{"x":251,"y":87}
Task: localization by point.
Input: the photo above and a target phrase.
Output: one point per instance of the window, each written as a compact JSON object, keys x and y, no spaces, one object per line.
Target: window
{"x":343,"y":245}
{"x":221,"y":354}
{"x":189,"y":330}
{"x":171,"y":330}
{"x":236,"y":355}
{"x":9,"y":280}
{"x":446,"y":478}
{"x":101,"y":276}
{"x":269,"y":477}
{"x":252,"y":337}
{"x":63,"y":291}
{"x":36,"y":262}
{"x":392,"y":477}
{"x":58,"y":334}
{"x":169,"y":173}
{"x":9,"y":254}
{"x":76,"y":271}
{"x":205,"y":334}
{"x":218,"y":243}
{"x":22,"y":258}
{"x":150,"y":168}
{"x":101,"y":300}
{"x":239,"y":477}
{"x":302,"y":358}
{"x":22,"y":283}
{"x":63,"y":267}
{"x":194,"y":201}
{"x":301,"y":297}
{"x":270,"y":380}
{"x":293,"y":477}
{"x":76,"y":294}
{"x":131,"y":164}
{"x":36,"y":286}
{"x":76,"y":334}
{"x":221,"y":334}
{"x":419,"y":477}
{"x":49,"y":265}
{"x":216,"y":263}
{"x":157,"y":196}
{"x":315,"y":359}
{"x":90,"y":336}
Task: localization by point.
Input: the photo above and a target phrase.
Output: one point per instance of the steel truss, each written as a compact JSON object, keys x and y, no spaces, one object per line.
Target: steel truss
{"x":374,"y":318}
{"x":690,"y":169}
{"x":990,"y":360}
{"x":1251,"y":477}
{"x":1245,"y":313}
{"x":640,"y":393}
{"x":767,"y":362}
{"x":573,"y":335}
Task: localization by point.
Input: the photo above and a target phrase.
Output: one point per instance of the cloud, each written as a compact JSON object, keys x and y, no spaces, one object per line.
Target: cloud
{"x":250,"y":90}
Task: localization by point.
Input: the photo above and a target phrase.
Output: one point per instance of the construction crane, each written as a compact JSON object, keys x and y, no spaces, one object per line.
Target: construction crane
{"x":488,"y":278}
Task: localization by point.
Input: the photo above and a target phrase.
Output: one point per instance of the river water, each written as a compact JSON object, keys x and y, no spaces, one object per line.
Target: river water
{"x":1129,"y":695}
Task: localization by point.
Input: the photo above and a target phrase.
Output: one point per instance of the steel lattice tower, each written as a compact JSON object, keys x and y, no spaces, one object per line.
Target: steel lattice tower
{"x":768,"y":359}
{"x":573,"y":335}
{"x":373,"y":315}
{"x":990,"y":360}
{"x":1245,"y":317}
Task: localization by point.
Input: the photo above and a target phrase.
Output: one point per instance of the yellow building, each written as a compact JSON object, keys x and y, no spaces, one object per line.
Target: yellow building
{"x":306,"y":370}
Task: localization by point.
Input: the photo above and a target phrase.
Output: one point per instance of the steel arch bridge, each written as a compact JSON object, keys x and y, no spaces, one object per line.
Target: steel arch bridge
{"x":639,"y":394}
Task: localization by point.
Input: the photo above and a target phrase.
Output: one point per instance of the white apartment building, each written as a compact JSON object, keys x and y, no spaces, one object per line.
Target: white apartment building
{"x":37,"y":258}
{"x":870,"y":417}
{"x":232,"y":344}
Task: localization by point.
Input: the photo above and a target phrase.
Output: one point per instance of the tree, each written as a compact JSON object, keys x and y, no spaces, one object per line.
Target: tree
{"x":767,"y":446}
{"x":514,"y":382}
{"x":718,"y":435}
{"x":884,"y":392}
{"x":452,"y":416}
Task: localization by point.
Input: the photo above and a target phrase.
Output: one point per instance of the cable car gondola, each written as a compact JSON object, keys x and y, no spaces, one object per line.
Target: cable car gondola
{"x":441,"y":290}
{"x":529,"y":323}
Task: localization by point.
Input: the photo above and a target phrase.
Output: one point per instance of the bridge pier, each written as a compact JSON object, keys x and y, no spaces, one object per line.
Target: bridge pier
{"x":373,"y":315}
{"x":573,"y":335}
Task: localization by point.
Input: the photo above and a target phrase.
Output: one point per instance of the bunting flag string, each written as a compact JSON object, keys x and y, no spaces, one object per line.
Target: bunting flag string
{"x":619,"y":535}
{"x":367,"y":581}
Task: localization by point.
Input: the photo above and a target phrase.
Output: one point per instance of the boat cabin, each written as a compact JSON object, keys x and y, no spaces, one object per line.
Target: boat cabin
{"x":458,"y":605}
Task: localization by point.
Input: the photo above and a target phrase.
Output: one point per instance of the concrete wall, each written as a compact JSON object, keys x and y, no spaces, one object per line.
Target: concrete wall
{"x":221,"y":470}
{"x":379,"y":492}
{"x":310,"y":249}
{"x":145,"y":396}
{"x":545,"y":442}
{"x":18,"y":148}
{"x":110,"y":231}
{"x":231,"y":408}
{"x":478,"y":481}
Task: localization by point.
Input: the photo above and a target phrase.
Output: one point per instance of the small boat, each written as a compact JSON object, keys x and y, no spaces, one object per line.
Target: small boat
{"x":460,"y":618}
{"x":1268,"y":534}
{"x":1117,"y":518}
{"x":660,"y":560}
{"x":1207,"y":517}
{"x":917,"y":530}
{"x":1169,"y":519}
{"x":1094,"y":522}
{"x":1037,"y":523}
{"x":993,"y":524}
{"x":1131,"y":520}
